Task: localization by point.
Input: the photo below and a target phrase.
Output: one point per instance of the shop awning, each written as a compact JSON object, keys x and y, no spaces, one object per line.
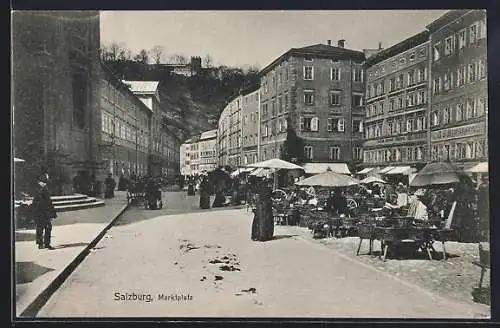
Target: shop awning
{"x":401,"y":170}
{"x":385,"y":169}
{"x":316,"y":168}
{"x":479,"y":168}
{"x":366,"y":170}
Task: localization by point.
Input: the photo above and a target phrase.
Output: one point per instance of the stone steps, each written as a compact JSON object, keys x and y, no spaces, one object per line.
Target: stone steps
{"x":78,"y":206}
{"x":74,"y":202}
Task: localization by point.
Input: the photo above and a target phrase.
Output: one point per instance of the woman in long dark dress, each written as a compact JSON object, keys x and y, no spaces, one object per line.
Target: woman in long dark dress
{"x":204,"y":194}
{"x":263,"y":223}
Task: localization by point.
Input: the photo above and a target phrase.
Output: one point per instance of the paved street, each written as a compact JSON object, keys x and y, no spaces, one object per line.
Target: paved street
{"x":204,"y":264}
{"x":72,"y":232}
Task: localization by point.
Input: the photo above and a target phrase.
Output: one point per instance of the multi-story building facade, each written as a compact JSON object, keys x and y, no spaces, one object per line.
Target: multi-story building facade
{"x":164,"y":145}
{"x":459,"y":108}
{"x":194,"y":155}
{"x":320,"y":91}
{"x":250,"y":140}
{"x":55,"y":65}
{"x":125,"y":134}
{"x":207,"y":152}
{"x":397,"y":100}
{"x":184,"y":158}
{"x":198,"y":154}
{"x":234,"y":136}
{"x":229,"y":134}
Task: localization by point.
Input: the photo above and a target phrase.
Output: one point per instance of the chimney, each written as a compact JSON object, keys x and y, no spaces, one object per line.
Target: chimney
{"x":341,"y":43}
{"x":380,"y":45}
{"x":329,"y":42}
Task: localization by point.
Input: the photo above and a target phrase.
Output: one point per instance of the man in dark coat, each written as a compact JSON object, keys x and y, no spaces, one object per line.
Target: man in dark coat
{"x":43,"y":212}
{"x":109,"y":185}
{"x":263,"y":222}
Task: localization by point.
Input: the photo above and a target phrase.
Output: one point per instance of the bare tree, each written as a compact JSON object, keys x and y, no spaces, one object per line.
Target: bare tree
{"x":156,"y":54}
{"x":178,"y":59}
{"x":123,"y":52}
{"x":208,"y":61}
{"x":113,"y":50}
{"x":142,"y":57}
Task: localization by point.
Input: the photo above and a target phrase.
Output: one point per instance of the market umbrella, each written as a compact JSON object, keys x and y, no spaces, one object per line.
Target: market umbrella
{"x":261,"y":172}
{"x":372,"y":179}
{"x":437,"y":173}
{"x":329,"y":179}
{"x":479,"y":168}
{"x":239,"y":171}
{"x":276,"y":164}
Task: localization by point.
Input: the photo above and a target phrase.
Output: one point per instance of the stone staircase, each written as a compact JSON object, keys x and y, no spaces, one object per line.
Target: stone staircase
{"x":69,"y":202}
{"x":75,"y":202}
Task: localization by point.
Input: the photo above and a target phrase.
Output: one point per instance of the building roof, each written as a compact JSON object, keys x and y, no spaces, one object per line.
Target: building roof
{"x":143,"y":86}
{"x":318,"y":50}
{"x":398,"y":48}
{"x":111,"y":77}
{"x":446,"y":19}
{"x":208,"y":134}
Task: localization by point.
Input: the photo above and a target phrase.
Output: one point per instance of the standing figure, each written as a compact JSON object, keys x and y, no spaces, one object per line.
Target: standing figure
{"x":204,"y":193}
{"x":190,"y":191}
{"x":109,"y":186}
{"x":43,"y":212}
{"x":263,"y":222}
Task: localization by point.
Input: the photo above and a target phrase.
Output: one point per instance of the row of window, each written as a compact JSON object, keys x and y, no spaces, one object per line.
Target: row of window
{"x":249,"y":159}
{"x":403,"y":80}
{"x":118,"y":99}
{"x":335,"y":153}
{"x":461,"y":150}
{"x":122,"y":130}
{"x":335,"y":98}
{"x":474,"y":107}
{"x":395,"y":127}
{"x":397,"y":154}
{"x":127,"y":167}
{"x":458,"y":41}
{"x":278,"y":76}
{"x":312,"y":124}
{"x":335,"y":74}
{"x":401,"y":60}
{"x":465,"y":74}
{"x":415,"y":98}
{"x":250,"y":140}
{"x":277,"y":105}
{"x":252,"y":118}
{"x":277,"y":126}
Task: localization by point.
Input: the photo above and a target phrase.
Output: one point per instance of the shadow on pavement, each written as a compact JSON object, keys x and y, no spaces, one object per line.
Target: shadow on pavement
{"x":278,"y":237}
{"x":29,"y":271}
{"x":402,"y":255}
{"x":70,"y":245}
{"x":173,"y":203}
{"x":25,"y":236}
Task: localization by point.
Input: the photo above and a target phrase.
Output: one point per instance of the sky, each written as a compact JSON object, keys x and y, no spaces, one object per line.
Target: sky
{"x":256,"y":38}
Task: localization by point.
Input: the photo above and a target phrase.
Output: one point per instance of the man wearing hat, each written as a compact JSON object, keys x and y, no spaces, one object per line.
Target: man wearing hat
{"x":43,"y":211}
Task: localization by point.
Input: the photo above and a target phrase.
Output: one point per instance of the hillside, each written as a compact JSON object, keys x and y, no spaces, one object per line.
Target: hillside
{"x":193,"y":104}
